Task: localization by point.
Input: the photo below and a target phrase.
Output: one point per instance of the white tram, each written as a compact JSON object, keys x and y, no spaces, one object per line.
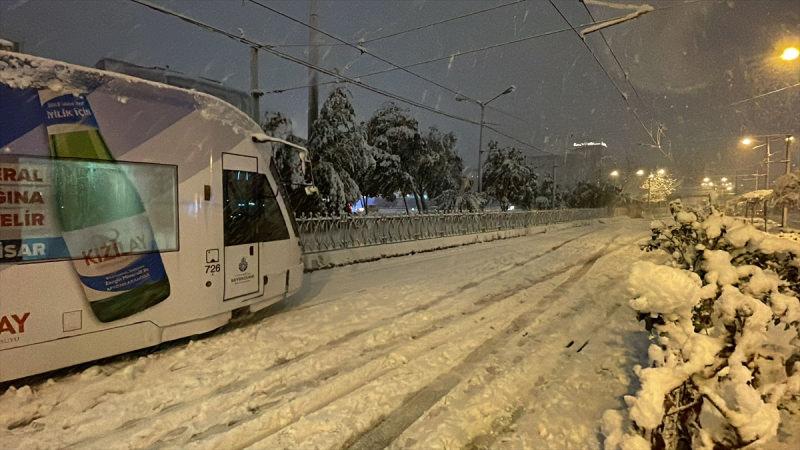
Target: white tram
{"x":131,"y":213}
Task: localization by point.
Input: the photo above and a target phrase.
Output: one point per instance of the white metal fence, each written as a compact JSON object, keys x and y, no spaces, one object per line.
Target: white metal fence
{"x":325,"y":233}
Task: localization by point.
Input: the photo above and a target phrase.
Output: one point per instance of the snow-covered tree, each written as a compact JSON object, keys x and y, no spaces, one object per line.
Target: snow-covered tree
{"x":508,"y":178}
{"x":288,"y":164}
{"x":339,"y":151}
{"x":787,"y":190}
{"x":592,"y":195}
{"x":440,"y":166}
{"x":658,"y":187}
{"x":393,"y":131}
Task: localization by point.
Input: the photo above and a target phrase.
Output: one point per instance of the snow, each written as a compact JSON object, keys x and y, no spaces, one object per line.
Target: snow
{"x":761,"y":194}
{"x":462,"y":340}
{"x":23,"y":71}
{"x":519,"y":343}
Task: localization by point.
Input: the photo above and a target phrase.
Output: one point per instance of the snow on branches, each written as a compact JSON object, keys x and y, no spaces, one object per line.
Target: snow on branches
{"x":658,"y":187}
{"x":724,"y":317}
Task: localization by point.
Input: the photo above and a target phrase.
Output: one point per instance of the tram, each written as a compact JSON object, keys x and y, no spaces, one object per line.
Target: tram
{"x":131,"y":213}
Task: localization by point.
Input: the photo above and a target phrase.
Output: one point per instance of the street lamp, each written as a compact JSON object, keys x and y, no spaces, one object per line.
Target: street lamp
{"x":790,"y":54}
{"x":462,"y":98}
{"x":747,"y":141}
{"x":706,"y":180}
{"x":640,"y":173}
{"x":614,"y":174}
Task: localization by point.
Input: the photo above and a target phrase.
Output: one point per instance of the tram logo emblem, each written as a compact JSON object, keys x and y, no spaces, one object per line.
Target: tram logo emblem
{"x":242,"y":265}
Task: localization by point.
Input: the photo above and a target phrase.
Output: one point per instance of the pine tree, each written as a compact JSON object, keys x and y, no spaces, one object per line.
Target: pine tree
{"x":339,"y":151}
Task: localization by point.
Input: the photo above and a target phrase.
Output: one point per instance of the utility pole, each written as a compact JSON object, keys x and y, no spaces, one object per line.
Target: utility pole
{"x":255,"y":92}
{"x":480,"y":149}
{"x":313,"y":59}
{"x":553,"y":193}
{"x":766,"y":170}
{"x":787,"y":171}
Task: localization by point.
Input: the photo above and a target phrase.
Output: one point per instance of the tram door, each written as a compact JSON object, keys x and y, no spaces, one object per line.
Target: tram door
{"x":243,"y":210}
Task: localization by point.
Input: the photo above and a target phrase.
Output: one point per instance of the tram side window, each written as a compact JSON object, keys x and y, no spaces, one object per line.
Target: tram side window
{"x":251,"y":210}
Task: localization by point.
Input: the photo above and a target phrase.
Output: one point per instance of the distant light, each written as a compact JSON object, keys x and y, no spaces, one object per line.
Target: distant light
{"x":639,"y":172}
{"x":723,"y":179}
{"x":614,"y":173}
{"x":510,"y":207}
{"x":711,"y":183}
{"x":661,"y":171}
{"x":706,"y":180}
{"x":704,"y":184}
{"x":729,"y":188}
{"x":790,"y":138}
{"x":790,"y":54}
{"x":589,"y":144}
{"x":747,"y":141}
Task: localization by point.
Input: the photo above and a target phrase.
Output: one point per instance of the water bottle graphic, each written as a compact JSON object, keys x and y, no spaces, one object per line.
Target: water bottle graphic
{"x":103,"y":220}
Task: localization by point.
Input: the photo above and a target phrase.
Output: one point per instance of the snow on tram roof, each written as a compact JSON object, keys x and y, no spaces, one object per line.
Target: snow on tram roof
{"x":23,"y":71}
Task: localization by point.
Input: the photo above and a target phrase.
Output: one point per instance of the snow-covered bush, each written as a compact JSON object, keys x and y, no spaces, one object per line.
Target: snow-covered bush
{"x":724,"y":319}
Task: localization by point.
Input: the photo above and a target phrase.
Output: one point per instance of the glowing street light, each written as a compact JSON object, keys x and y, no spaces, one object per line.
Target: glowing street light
{"x":747,"y":141}
{"x":790,"y":54}
{"x":640,"y":173}
{"x":724,"y":179}
{"x":706,"y":180}
{"x":614,"y":173}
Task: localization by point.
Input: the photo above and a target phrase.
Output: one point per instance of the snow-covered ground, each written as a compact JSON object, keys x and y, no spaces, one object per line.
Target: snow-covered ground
{"x":521,"y":343}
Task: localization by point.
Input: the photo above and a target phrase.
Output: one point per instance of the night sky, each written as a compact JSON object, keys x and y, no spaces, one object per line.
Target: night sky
{"x":688,"y":61}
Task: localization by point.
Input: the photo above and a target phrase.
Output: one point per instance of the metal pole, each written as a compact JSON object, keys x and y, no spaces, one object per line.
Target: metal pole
{"x":255,"y":92}
{"x":313,"y":57}
{"x":480,"y":151}
{"x":766,"y":171}
{"x":787,"y":171}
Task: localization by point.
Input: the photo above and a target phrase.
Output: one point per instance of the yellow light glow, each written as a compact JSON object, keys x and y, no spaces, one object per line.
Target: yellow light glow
{"x":614,"y":173}
{"x":706,"y":180}
{"x":661,"y":171}
{"x":747,"y":141}
{"x":723,"y":179}
{"x":790,"y":54}
{"x":639,"y":172}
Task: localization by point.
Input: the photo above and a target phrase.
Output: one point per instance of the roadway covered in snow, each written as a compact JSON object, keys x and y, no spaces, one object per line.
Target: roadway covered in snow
{"x":520,"y":343}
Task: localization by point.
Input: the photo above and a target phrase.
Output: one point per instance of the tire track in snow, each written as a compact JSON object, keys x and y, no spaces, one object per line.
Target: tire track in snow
{"x":385,"y":432}
{"x":534,"y":352}
{"x":131,"y":426}
{"x":254,"y":434}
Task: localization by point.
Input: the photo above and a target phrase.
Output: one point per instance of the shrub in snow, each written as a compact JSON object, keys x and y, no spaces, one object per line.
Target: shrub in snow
{"x":724,"y":319}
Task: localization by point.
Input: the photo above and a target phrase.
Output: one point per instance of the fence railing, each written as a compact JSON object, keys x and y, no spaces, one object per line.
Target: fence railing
{"x":325,"y":233}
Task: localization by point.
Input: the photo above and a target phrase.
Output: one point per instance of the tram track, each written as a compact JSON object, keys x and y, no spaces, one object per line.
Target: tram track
{"x":353,"y":361}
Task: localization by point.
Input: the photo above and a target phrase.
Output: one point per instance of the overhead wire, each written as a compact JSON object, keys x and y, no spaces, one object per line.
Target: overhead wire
{"x":411,"y":30}
{"x":359,"y":48}
{"x":364,"y":50}
{"x":288,"y":57}
{"x":610,"y":78}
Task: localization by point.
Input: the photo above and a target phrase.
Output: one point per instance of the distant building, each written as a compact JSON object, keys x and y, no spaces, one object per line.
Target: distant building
{"x":235,"y":97}
{"x":584,"y":162}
